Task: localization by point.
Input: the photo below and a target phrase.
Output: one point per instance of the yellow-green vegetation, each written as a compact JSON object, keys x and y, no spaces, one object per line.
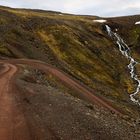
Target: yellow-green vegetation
{"x":74,"y":44}
{"x":3,"y":21}
{"x":26,"y":13}
{"x":4,"y":51}
{"x":135,"y":39}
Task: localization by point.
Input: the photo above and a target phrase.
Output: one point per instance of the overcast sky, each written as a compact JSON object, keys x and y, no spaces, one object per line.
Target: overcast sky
{"x":86,"y":7}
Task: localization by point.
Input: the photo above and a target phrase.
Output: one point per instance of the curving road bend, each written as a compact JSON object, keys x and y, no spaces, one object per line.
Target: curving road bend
{"x":13,"y":123}
{"x":11,"y":119}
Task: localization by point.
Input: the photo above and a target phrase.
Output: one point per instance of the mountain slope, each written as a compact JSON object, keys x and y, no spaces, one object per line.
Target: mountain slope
{"x":75,"y":45}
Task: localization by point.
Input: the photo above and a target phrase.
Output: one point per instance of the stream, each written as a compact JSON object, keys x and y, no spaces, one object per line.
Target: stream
{"x":125,"y":50}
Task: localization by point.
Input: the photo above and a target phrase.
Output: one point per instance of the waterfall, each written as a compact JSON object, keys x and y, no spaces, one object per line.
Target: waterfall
{"x":125,"y":50}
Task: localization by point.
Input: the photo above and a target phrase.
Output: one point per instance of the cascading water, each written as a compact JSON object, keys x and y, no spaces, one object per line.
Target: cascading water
{"x":124,"y":49}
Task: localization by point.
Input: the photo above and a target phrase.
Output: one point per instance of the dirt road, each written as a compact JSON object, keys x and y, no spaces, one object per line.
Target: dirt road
{"x":13,"y":123}
{"x":84,"y":93}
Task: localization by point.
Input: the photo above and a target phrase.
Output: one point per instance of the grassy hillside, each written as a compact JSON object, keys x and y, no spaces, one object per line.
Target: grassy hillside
{"x":75,"y":44}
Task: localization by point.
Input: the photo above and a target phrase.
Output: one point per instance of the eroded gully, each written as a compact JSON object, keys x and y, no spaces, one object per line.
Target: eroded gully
{"x":125,"y":50}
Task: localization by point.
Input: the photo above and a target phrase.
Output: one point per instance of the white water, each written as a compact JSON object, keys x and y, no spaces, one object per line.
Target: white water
{"x":138,"y":22}
{"x":100,"y":20}
{"x":124,"y":49}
